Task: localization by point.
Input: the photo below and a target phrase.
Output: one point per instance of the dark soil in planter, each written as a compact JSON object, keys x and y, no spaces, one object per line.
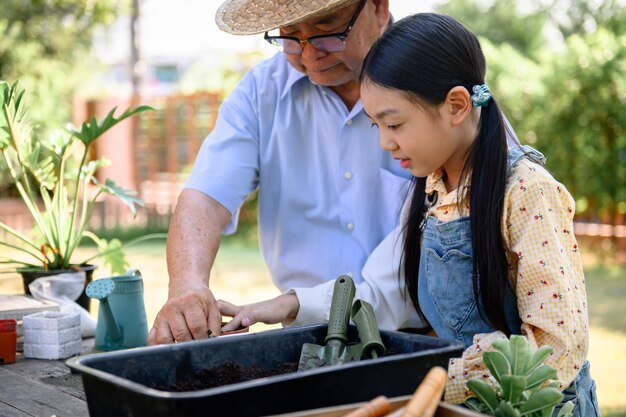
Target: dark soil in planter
{"x":229,"y":373}
{"x":232,"y":373}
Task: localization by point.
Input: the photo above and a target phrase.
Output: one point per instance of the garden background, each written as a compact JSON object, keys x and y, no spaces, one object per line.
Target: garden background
{"x":557,"y":68}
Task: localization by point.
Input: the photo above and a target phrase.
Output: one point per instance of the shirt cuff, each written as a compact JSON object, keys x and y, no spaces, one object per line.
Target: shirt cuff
{"x":314,"y":304}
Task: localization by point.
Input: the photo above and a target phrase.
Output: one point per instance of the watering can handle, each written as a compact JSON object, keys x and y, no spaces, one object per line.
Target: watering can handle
{"x":133,"y":272}
{"x":367,"y":326}
{"x":343,"y":294}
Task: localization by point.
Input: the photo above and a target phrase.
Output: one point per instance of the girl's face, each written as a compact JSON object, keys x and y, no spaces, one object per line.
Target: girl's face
{"x":422,"y":140}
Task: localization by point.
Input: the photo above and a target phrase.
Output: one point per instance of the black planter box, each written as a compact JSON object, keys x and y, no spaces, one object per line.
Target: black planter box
{"x":121,"y":383}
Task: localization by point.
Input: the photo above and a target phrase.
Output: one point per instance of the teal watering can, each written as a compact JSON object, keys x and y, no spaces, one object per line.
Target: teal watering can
{"x":122,"y":321}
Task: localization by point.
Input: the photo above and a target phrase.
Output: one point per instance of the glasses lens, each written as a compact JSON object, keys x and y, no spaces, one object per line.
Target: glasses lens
{"x":288,"y":46}
{"x":329,"y":44}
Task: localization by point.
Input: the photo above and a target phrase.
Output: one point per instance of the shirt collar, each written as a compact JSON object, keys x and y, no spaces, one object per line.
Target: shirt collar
{"x":434,"y":182}
{"x":293,"y":77}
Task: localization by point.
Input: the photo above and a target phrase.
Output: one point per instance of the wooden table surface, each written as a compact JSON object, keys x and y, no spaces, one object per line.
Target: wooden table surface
{"x":42,"y":388}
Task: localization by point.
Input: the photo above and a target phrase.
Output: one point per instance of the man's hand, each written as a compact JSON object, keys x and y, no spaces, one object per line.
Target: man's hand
{"x":283,"y":308}
{"x":187,"y":315}
{"x":192,"y":243}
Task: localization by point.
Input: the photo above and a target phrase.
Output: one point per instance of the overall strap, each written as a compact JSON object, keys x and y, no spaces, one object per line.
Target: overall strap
{"x":429,"y":201}
{"x":517,"y":153}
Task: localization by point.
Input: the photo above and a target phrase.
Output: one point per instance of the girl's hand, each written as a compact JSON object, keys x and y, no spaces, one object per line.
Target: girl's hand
{"x":283,"y":308}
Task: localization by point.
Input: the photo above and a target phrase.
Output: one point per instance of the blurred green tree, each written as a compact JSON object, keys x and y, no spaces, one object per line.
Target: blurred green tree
{"x":582,"y":121}
{"x":45,"y":45}
{"x":573,"y":17}
{"x":502,"y":22}
{"x":558,"y":72}
{"x":512,"y":42}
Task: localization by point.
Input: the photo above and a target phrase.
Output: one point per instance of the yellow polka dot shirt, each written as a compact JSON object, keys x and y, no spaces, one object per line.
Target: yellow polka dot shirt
{"x":545,"y":272}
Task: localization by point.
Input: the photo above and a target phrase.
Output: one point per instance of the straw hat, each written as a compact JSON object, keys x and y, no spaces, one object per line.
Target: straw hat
{"x":248,"y":17}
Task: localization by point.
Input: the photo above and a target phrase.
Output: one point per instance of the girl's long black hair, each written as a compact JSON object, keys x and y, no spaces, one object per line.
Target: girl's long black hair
{"x":424,"y":56}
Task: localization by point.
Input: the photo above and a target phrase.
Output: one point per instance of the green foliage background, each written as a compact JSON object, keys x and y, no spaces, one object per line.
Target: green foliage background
{"x":45,"y":44}
{"x":558,"y":70}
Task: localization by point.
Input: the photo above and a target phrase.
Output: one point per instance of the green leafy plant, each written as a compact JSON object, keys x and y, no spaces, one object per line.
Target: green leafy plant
{"x":523,"y":385}
{"x":53,"y":177}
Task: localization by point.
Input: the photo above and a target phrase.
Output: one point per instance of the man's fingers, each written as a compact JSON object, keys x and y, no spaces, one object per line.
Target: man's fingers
{"x":160,"y":332}
{"x":190,"y":315}
{"x":163,"y":333}
{"x":178,"y":329}
{"x":152,"y":336}
{"x":197,"y":324}
{"x":214,"y":317}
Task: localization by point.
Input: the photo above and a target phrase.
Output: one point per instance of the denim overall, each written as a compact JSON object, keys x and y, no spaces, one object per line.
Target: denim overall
{"x":446,"y":296}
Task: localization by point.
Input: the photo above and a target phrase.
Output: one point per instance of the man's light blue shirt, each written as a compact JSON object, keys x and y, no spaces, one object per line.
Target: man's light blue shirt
{"x":326,"y":193}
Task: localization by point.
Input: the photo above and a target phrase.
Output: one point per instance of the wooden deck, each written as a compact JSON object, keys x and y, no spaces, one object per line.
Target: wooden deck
{"x":42,"y":388}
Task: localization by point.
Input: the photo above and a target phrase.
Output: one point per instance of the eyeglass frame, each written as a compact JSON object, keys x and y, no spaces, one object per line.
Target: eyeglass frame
{"x":342,"y":36}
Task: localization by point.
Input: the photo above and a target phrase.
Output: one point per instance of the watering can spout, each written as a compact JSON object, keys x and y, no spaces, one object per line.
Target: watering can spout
{"x":109,"y":320}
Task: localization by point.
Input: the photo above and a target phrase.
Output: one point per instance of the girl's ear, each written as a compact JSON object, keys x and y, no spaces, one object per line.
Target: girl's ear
{"x":458,"y":105}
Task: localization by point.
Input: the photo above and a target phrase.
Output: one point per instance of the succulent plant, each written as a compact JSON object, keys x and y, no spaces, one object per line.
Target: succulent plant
{"x":522,"y":384}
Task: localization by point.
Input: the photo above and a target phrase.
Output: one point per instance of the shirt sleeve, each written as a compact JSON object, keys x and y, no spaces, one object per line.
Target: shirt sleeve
{"x":469,"y":366}
{"x":227,"y":168}
{"x":548,"y":280}
{"x":382,"y":287}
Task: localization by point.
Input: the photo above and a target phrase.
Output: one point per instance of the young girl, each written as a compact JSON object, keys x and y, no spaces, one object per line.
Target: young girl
{"x":488,"y":247}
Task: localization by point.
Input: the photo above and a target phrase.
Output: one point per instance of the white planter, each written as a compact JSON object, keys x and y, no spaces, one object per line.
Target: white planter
{"x":51,"y":335}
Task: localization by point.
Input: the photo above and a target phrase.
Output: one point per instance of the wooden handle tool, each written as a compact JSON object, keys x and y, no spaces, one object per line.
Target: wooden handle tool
{"x":397,"y":413}
{"x":377,"y":407}
{"x":426,"y":398}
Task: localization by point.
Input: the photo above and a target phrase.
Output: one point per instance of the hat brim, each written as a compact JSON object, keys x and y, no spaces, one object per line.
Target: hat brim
{"x":249,"y":17}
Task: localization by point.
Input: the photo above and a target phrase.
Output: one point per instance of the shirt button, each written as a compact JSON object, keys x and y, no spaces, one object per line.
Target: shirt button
{"x":349,"y":122}
{"x":350,"y":226}
{"x":348,"y":175}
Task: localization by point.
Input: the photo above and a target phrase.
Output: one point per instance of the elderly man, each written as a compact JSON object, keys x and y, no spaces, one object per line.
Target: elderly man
{"x":293,"y":129}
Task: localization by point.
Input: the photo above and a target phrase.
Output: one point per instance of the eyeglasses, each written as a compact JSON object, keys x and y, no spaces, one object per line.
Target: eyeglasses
{"x":333,"y":42}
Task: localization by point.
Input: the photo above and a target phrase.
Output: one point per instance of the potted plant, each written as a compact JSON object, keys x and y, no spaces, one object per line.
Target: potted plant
{"x":522,"y":385}
{"x":56,"y":181}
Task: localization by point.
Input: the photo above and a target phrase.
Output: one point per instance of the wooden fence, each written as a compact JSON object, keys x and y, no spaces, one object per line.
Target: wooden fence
{"x":163,"y":146}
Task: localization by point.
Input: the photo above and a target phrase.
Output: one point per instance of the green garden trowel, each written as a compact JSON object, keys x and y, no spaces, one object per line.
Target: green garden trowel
{"x":335,"y":350}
